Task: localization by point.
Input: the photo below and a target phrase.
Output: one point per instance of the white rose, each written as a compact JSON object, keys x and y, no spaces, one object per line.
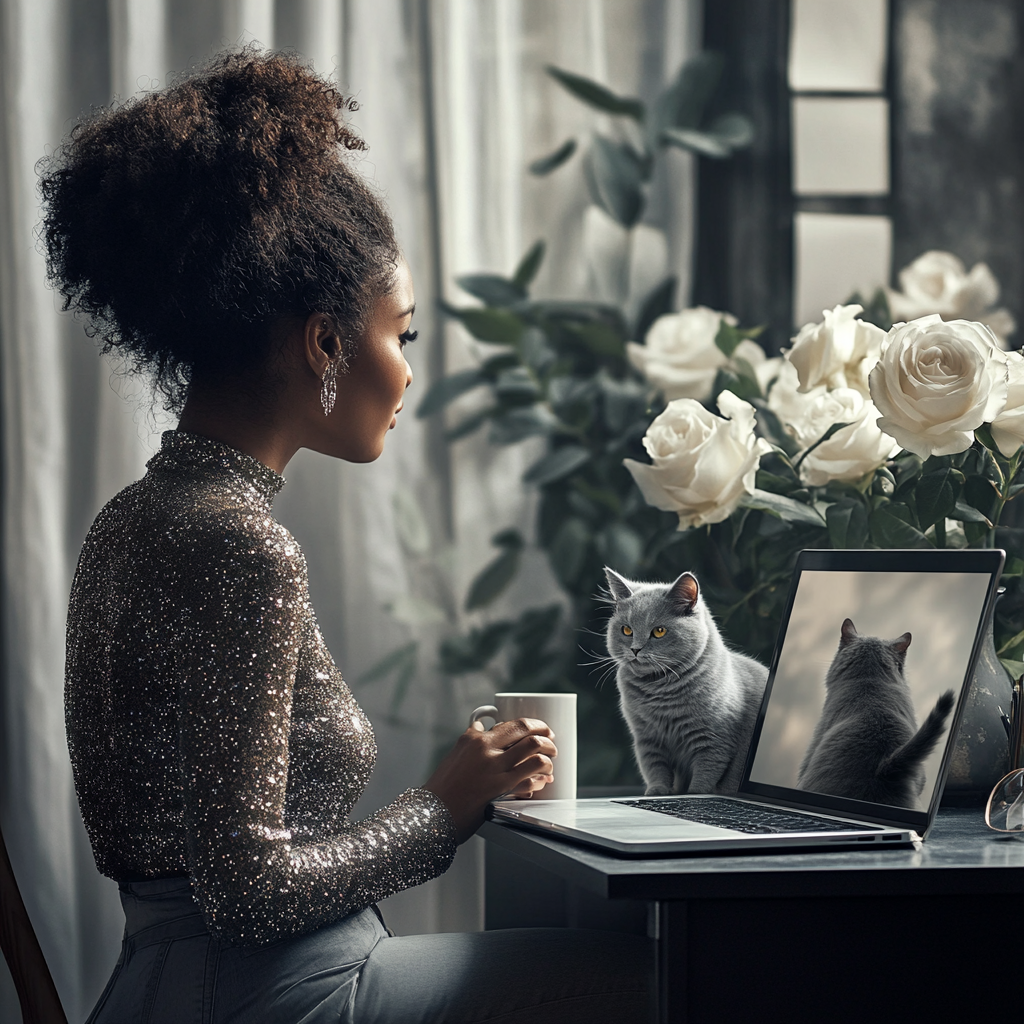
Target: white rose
{"x":850,"y":452}
{"x":1008,"y":426}
{"x":839,"y":352}
{"x":792,"y":405}
{"x":679,"y":356}
{"x":937,"y":382}
{"x":703,"y":464}
{"x":938,"y":282}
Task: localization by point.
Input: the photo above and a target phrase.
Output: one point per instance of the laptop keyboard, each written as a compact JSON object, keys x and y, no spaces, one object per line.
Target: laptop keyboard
{"x":743,"y":817}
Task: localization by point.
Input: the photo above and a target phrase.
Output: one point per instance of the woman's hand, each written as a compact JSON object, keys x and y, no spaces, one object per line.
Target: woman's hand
{"x":513,"y":758}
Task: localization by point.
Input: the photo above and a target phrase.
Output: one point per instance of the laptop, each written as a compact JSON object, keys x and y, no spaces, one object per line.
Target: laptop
{"x":941,"y":597}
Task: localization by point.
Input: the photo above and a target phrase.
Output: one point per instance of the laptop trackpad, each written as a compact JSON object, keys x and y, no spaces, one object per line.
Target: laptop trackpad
{"x":612,"y":820}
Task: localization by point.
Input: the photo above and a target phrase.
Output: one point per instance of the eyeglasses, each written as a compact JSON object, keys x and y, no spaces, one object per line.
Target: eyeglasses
{"x":1004,"y":811}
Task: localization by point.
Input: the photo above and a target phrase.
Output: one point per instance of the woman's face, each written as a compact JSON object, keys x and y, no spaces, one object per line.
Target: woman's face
{"x":370,"y":393}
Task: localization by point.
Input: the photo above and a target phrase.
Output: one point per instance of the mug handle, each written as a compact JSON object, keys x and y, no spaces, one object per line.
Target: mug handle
{"x":487,"y":711}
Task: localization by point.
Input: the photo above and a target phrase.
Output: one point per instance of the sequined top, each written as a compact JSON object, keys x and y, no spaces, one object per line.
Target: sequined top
{"x":210,"y":732}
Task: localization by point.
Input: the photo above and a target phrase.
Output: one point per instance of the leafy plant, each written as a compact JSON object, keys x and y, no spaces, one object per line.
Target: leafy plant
{"x":557,"y":370}
{"x":617,"y":171}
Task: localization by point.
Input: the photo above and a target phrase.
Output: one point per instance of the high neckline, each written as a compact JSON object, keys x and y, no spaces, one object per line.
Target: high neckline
{"x":184,"y":451}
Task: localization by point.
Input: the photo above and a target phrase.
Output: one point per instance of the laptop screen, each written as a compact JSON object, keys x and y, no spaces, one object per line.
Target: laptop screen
{"x":867,"y":677}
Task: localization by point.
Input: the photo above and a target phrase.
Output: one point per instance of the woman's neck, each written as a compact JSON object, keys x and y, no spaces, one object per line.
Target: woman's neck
{"x":239,"y":424}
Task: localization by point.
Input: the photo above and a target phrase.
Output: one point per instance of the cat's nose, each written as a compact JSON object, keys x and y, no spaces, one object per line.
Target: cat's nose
{"x":636,"y":650}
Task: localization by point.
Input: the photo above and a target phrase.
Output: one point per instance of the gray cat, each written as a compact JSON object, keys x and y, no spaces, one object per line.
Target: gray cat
{"x":866,"y":744}
{"x":689,"y":701}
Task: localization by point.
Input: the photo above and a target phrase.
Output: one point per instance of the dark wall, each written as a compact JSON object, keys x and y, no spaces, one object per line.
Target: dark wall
{"x":744,"y":223}
{"x":958,"y":136}
{"x":957,"y":89}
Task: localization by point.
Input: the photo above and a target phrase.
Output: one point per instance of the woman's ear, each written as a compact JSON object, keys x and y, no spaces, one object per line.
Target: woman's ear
{"x":321,"y":342}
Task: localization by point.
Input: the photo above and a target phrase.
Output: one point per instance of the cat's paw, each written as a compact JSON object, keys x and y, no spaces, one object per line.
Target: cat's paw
{"x":657,"y":791}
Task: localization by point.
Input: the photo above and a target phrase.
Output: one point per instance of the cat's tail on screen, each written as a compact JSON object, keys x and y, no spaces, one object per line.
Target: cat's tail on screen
{"x":905,"y":759}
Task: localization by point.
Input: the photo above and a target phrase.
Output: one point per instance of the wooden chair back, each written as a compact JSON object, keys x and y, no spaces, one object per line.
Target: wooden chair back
{"x":40,"y":1003}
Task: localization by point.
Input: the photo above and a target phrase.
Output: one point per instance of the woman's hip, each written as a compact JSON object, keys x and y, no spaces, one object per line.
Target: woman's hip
{"x":172,"y":970}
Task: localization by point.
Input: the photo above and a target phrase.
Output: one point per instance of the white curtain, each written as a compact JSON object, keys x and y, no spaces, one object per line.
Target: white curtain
{"x":454,"y":103}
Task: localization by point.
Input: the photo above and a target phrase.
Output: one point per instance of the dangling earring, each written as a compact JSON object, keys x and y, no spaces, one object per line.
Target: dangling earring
{"x":329,"y":387}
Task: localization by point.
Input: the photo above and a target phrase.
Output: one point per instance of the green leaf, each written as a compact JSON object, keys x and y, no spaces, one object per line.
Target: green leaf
{"x":735,"y":131}
{"x":1010,"y":644}
{"x":614,"y":179}
{"x":492,"y":289}
{"x":891,"y":527}
{"x":980,"y":495}
{"x":781,"y":507}
{"x":555,"y":465}
{"x":621,"y":547}
{"x":447,"y":389}
{"x":847,"y":524}
{"x":516,"y":385}
{"x":546,"y":164}
{"x":493,"y":579}
{"x":568,"y":551}
{"x":742,"y":386}
{"x":935,"y":496}
{"x":510,"y":538}
{"x":497,"y":326}
{"x":774,"y":483}
{"x":514,"y":425}
{"x":601,"y":338}
{"x":530,"y":264}
{"x":966,"y":514}
{"x":474,"y":421}
{"x":1015,"y":668}
{"x":388,"y":664}
{"x":659,"y":301}
{"x":728,"y":338}
{"x":470,"y":653}
{"x":1014,"y":566}
{"x":697,"y":142}
{"x":684,"y":101}
{"x":597,"y":95}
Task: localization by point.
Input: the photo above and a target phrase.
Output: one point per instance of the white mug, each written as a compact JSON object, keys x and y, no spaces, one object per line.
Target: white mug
{"x":558,"y":710}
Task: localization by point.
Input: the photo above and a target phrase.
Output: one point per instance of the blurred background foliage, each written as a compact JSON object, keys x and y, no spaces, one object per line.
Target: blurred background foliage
{"x":557,"y":371}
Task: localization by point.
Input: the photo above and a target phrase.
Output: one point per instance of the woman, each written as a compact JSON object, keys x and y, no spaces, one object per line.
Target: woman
{"x":214,"y":234}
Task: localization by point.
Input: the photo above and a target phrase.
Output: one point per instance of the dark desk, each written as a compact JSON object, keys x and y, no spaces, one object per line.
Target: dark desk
{"x":816,"y":937}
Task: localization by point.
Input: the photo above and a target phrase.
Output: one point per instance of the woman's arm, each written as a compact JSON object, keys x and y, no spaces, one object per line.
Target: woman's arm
{"x":238,"y":665}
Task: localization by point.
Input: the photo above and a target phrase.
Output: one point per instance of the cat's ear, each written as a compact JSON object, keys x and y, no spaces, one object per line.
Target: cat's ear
{"x":847,"y":633}
{"x":684,"y":593}
{"x":901,"y":643}
{"x":619,"y":587}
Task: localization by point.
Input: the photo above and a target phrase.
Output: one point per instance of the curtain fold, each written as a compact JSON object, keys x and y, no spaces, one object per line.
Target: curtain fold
{"x":75,"y":429}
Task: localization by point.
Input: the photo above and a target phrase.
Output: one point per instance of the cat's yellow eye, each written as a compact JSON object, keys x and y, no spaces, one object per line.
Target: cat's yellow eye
{"x":658,"y":632}
{"x":627,"y":631}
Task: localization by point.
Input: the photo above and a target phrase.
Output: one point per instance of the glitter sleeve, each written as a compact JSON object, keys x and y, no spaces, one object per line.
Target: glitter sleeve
{"x":254,"y":878}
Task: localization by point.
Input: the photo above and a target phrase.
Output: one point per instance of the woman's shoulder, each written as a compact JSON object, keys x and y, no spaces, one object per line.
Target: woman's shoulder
{"x":201,"y":522}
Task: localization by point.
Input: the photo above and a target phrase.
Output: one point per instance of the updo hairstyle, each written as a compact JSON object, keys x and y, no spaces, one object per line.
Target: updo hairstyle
{"x":183,"y":223}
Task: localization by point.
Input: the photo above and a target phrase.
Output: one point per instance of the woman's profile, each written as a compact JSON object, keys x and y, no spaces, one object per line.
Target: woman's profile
{"x":215,"y":235}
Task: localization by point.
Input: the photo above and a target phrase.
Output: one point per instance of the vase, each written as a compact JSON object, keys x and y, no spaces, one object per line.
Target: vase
{"x":981,"y":753}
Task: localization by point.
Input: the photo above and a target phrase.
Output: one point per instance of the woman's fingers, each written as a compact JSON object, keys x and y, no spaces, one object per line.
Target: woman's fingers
{"x":527,"y":747}
{"x":534,"y":784}
{"x":507,"y":734}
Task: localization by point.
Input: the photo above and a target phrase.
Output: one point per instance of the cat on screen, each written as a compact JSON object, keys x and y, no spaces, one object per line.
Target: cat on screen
{"x":689,"y":701}
{"x":867,"y":745}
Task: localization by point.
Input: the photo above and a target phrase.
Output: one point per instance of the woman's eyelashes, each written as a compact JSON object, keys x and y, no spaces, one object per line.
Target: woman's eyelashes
{"x":406,"y":336}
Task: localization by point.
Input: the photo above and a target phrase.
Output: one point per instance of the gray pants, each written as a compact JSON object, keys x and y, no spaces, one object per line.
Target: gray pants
{"x":171,"y":971}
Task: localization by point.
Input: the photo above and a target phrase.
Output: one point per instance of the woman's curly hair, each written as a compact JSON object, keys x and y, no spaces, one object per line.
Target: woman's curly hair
{"x":183,"y":223}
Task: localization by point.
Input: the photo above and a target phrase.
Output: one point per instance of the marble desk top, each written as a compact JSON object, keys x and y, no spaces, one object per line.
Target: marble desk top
{"x":960,"y":856}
